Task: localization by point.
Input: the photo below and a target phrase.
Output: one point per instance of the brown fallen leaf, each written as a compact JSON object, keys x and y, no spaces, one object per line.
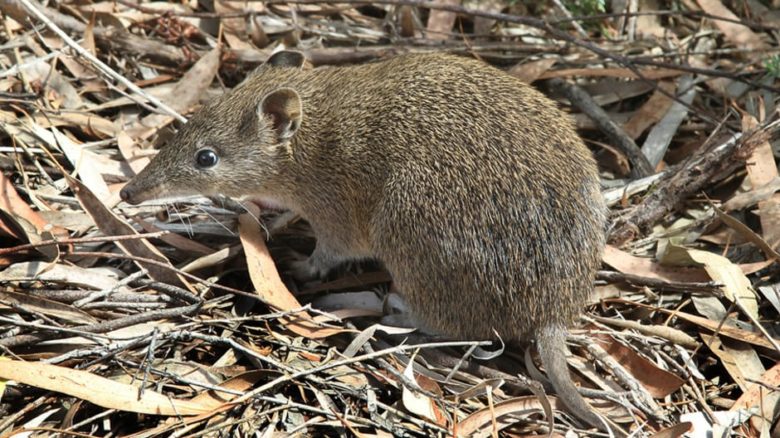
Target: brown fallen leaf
{"x":13,"y":204}
{"x":265,"y":278}
{"x":658,"y":382}
{"x":96,"y":389}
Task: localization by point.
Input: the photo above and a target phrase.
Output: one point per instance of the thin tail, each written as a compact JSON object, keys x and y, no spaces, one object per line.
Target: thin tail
{"x":552,"y":349}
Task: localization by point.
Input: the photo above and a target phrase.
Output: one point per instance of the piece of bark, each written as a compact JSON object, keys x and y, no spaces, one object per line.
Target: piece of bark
{"x":690,"y":177}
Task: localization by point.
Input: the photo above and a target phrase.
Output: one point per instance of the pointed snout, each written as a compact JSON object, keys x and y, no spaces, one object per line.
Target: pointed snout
{"x":127,"y":194}
{"x":140,"y":189}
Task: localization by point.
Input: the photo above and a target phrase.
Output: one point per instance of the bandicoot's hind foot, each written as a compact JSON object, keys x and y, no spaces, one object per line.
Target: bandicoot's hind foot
{"x":305,"y":271}
{"x":317,"y":266}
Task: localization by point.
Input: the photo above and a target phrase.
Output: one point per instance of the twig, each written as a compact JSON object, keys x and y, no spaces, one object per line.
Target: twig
{"x":101,"y":327}
{"x":568,"y":15}
{"x":640,"y":167}
{"x":637,"y":280}
{"x":75,"y":240}
{"x":94,"y":296}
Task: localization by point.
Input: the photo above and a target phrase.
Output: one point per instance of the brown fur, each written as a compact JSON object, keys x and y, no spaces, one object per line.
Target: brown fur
{"x":471,"y":187}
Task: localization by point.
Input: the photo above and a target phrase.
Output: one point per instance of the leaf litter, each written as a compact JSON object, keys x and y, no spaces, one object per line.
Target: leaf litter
{"x":179,"y":317}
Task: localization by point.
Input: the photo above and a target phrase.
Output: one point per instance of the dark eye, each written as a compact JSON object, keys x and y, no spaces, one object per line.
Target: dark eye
{"x":206,"y":158}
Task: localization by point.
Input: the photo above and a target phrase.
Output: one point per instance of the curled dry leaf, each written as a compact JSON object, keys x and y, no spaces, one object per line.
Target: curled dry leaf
{"x":419,"y":403}
{"x":505,"y":413}
{"x":11,"y":203}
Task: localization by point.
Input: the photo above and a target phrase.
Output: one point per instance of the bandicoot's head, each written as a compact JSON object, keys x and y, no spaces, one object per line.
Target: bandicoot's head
{"x":233,"y":146}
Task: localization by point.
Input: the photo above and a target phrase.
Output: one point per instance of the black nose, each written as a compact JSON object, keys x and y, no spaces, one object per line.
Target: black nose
{"x":125,"y":194}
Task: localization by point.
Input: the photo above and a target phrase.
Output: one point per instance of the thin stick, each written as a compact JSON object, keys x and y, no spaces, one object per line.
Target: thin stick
{"x":18,"y":248}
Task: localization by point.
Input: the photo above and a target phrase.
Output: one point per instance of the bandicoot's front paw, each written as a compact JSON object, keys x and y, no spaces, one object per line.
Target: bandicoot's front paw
{"x":304,"y":271}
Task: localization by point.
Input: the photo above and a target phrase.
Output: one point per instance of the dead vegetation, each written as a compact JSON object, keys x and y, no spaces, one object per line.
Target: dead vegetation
{"x":171,"y":319}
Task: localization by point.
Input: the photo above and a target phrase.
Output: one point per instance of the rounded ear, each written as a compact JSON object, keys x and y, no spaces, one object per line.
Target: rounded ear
{"x":283,"y":108}
{"x":286,"y":58}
